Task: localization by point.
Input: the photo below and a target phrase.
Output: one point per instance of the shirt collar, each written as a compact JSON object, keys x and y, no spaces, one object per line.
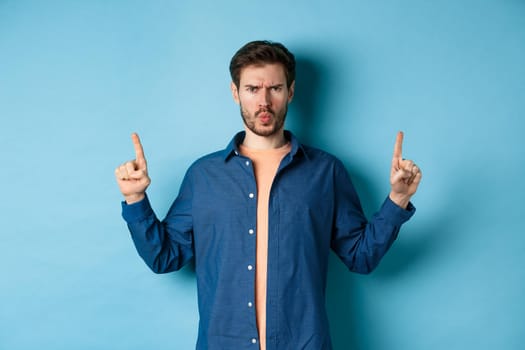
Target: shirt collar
{"x":233,"y":147}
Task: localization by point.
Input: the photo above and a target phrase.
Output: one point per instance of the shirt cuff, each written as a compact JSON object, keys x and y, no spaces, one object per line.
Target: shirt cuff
{"x":137,"y":211}
{"x":395,"y":213}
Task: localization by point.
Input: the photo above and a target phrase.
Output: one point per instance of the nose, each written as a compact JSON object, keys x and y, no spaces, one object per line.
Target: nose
{"x":265,"y":98}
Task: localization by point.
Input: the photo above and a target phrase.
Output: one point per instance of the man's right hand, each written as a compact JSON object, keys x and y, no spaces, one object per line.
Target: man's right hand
{"x":132,"y":177}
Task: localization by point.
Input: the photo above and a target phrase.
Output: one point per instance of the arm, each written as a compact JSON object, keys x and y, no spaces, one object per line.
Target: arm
{"x":164,"y":246}
{"x":360,"y":243}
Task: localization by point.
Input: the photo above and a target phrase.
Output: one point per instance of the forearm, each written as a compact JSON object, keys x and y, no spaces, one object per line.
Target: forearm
{"x":361,"y":244}
{"x":152,"y":239}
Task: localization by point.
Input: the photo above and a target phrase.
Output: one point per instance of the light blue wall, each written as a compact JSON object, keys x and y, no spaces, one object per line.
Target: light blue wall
{"x":77,"y":77}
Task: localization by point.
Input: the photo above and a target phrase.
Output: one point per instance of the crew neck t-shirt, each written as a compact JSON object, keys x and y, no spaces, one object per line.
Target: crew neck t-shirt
{"x":265,"y":165}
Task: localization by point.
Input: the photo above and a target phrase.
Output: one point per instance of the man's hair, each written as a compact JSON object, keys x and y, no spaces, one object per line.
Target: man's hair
{"x":262,"y":52}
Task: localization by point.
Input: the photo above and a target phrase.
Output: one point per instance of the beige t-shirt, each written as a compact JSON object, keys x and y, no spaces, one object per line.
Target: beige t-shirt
{"x":265,"y":163}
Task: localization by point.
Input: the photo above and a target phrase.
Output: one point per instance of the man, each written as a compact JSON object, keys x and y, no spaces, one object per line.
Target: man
{"x":260,"y":217}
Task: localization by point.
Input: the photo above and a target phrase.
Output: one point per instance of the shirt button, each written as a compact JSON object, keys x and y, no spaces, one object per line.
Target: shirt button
{"x":254,"y":341}
{"x":247,"y":163}
{"x":250,"y":231}
{"x":250,"y":304}
{"x":250,"y":267}
{"x":251,"y":195}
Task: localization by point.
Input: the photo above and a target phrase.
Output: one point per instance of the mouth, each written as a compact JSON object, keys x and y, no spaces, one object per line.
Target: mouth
{"x":264,"y":116}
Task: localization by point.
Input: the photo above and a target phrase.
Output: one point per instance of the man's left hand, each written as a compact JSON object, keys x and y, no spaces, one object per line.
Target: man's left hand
{"x":405,"y":176}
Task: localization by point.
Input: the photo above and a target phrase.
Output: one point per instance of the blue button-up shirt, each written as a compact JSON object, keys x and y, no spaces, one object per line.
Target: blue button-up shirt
{"x":313,"y":207}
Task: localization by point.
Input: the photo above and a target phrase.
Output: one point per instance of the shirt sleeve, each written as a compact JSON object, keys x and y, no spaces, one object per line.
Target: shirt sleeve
{"x":166,"y":245}
{"x":360,"y":243}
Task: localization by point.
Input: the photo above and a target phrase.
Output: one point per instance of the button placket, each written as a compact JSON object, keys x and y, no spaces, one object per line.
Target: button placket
{"x":251,"y":232}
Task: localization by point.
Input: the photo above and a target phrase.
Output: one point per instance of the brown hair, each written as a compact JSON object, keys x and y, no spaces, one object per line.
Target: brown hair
{"x":261,"y":52}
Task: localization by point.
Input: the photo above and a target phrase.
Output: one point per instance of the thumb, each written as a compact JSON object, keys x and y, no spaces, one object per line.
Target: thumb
{"x":399,"y":176}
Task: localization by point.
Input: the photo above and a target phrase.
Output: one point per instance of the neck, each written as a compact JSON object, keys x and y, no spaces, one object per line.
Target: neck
{"x":252,"y":140}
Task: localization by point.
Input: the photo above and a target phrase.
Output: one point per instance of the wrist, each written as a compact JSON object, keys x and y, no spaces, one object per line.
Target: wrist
{"x":134,"y":198}
{"x":399,"y":199}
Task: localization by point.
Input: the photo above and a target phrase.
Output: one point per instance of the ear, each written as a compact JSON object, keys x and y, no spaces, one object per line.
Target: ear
{"x":235,"y":92}
{"x":291,"y":91}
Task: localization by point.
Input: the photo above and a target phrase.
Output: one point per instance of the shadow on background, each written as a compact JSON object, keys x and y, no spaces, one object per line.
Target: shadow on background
{"x":305,"y":105}
{"x":437,"y":238}
{"x":344,"y":302}
{"x":312,"y":92}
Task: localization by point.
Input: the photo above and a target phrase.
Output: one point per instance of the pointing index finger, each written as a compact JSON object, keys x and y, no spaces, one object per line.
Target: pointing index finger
{"x":139,"y":151}
{"x":398,"y":148}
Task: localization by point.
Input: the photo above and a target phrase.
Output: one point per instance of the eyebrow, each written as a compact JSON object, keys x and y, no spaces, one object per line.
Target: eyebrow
{"x":260,"y":85}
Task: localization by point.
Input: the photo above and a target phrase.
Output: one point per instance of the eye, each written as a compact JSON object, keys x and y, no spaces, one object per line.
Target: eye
{"x":252,"y":89}
{"x":277,"y":88}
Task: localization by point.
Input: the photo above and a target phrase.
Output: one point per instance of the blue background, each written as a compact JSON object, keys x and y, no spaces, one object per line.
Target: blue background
{"x":77,"y":77}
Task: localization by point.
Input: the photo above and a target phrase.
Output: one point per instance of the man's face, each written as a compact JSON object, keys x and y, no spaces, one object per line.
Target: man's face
{"x":263,"y":97}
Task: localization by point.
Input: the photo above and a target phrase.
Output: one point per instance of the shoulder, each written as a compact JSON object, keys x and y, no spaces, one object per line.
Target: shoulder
{"x":208,"y":165}
{"x":209,"y":160}
{"x":320,"y":161}
{"x":320,"y":156}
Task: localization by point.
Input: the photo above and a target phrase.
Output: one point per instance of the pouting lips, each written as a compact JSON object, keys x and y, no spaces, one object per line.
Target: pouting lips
{"x":264,"y":116}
